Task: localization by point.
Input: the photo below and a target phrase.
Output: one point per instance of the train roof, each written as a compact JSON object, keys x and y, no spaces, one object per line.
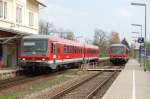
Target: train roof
{"x":67,"y":42}
{"x":60,"y":40}
{"x":91,"y":46}
{"x":118,"y":45}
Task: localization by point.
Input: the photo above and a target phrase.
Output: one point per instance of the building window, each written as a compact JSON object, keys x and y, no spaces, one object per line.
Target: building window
{"x":3,"y":9}
{"x":31,"y":19}
{"x":19,"y":14}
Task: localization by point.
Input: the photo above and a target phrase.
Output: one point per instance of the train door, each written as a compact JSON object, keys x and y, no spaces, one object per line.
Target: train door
{"x":58,"y":51}
{"x":54,"y":53}
{"x":1,"y":54}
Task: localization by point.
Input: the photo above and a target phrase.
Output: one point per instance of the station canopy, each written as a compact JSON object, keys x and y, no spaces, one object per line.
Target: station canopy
{"x":7,"y":35}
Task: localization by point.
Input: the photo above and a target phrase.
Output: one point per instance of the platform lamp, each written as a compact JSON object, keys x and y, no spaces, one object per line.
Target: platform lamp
{"x":144,"y":5}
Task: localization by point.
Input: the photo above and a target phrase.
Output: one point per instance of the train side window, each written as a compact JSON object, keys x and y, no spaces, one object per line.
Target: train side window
{"x":54,"y":49}
{"x":51,"y":48}
{"x":68,"y":49}
{"x":65,"y":48}
{"x":74,"y":49}
{"x":71,"y":49}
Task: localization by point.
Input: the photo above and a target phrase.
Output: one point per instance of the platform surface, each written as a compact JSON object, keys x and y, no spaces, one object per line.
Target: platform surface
{"x":9,"y":70}
{"x":132,"y":83}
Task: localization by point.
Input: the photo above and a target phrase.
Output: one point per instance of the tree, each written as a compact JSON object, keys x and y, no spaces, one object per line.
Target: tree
{"x":69,"y":35}
{"x":114,"y":38}
{"x":45,"y":27}
{"x":124,"y":41}
{"x":100,"y":39}
{"x":88,"y":41}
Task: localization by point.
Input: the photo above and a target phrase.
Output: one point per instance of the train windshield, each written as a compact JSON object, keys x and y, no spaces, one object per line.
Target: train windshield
{"x":117,"y":50}
{"x":35,"y":47}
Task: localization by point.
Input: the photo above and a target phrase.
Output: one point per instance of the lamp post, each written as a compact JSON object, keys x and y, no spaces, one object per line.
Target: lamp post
{"x":138,"y":25}
{"x":144,"y":5}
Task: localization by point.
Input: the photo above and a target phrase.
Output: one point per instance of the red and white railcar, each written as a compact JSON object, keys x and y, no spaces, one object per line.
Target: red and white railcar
{"x":119,"y":54}
{"x":44,"y":51}
{"x":91,"y":52}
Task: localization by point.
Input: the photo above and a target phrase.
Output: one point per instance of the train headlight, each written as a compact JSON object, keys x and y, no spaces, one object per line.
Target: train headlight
{"x":43,"y":59}
{"x":23,"y":59}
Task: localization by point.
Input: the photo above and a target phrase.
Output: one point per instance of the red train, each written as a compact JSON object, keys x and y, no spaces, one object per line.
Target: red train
{"x":54,"y":53}
{"x":119,"y":54}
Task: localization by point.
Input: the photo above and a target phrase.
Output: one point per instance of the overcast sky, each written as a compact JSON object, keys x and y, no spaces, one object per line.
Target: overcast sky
{"x":83,"y":16}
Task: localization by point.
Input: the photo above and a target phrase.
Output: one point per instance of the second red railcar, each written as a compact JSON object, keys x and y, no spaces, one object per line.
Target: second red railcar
{"x":119,"y":54}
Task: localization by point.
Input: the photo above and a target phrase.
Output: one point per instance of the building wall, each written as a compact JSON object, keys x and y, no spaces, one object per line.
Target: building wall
{"x":11,"y":50}
{"x":26,"y":5}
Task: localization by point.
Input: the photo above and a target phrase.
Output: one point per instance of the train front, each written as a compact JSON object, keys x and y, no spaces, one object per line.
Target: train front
{"x":34,"y":53}
{"x":118,"y":54}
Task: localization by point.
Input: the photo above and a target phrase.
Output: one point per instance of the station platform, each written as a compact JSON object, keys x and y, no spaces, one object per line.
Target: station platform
{"x":8,"y":73}
{"x":132,"y":83}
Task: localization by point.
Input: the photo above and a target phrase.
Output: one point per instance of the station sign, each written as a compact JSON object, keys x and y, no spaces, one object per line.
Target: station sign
{"x":141,"y":40}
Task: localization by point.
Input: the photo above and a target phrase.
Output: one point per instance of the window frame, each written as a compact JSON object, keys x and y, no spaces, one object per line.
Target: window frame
{"x":31,"y":18}
{"x":19,"y":15}
{"x":4,"y":9}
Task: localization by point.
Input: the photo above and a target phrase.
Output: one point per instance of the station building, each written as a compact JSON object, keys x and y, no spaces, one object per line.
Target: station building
{"x":18,"y":18}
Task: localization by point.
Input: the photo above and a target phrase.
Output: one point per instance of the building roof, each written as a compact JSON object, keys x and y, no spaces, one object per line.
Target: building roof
{"x":42,"y":4}
{"x":7,"y":35}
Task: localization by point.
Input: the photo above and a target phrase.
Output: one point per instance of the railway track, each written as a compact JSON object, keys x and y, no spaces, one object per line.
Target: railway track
{"x":86,"y":89}
{"x":8,"y":83}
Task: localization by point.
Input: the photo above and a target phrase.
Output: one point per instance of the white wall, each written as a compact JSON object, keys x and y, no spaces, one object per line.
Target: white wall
{"x":27,"y":5}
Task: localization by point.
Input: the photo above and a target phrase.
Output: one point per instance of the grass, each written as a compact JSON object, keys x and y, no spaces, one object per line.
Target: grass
{"x":104,"y":53}
{"x":69,"y":74}
{"x":148,"y":65}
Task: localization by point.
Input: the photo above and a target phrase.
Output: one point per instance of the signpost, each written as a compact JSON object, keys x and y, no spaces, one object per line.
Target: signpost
{"x":141,"y":40}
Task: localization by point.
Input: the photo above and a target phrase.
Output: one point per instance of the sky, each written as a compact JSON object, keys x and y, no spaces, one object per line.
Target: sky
{"x":84,"y":16}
